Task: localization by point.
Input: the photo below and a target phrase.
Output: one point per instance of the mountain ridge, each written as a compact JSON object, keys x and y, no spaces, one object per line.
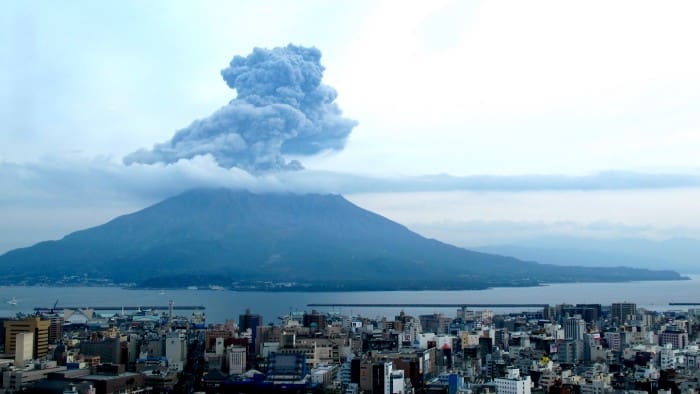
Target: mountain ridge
{"x":593,"y":252}
{"x":315,"y":241}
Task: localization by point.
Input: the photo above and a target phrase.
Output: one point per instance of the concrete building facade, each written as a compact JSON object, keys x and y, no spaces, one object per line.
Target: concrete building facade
{"x":35,"y":325}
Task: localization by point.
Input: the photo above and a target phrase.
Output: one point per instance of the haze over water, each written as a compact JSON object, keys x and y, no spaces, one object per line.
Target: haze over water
{"x":222,"y":305}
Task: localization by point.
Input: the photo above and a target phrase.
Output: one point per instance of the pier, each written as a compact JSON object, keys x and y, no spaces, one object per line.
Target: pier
{"x":128,"y":308}
{"x":430,"y":305}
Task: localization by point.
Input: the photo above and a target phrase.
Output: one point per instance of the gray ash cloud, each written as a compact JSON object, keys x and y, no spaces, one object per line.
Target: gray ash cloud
{"x":281,"y":107}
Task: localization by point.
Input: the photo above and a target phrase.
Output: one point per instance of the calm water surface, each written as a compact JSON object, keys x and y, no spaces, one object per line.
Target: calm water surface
{"x":222,"y":305}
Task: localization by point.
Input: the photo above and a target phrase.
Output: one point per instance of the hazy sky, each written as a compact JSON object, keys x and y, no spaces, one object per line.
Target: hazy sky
{"x":537,"y":113}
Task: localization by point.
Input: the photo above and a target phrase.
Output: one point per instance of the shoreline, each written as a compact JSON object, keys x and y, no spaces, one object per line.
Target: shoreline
{"x":343,"y":287}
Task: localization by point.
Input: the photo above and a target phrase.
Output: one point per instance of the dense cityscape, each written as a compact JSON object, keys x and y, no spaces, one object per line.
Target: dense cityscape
{"x":581,"y":348}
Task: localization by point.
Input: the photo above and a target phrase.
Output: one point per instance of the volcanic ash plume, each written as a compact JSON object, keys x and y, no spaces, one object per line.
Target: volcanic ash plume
{"x":281,"y":108}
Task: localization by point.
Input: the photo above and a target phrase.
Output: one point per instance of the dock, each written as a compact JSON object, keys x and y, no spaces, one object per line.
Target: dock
{"x":430,"y":305}
{"x":128,"y":308}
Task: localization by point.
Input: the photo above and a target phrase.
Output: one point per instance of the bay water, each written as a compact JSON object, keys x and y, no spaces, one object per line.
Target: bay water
{"x":223,"y":304}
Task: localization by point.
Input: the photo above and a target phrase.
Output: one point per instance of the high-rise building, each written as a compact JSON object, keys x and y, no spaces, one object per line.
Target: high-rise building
{"x":570,"y":352}
{"x":250,"y":321}
{"x":176,"y":350}
{"x":236,"y":360}
{"x":24,"y":348}
{"x":108,"y":349}
{"x":678,"y":339}
{"x":35,"y":325}
{"x":315,"y":321}
{"x":397,"y":382}
{"x":365,"y":374}
{"x":614,"y":340}
{"x":574,"y":328}
{"x":501,"y":338}
{"x":592,"y":348}
{"x":623,"y":311}
{"x":381,"y":377}
{"x":2,"y":333}
{"x":55,"y":328}
{"x":667,"y":357}
{"x":588,"y":312}
{"x":436,"y":323}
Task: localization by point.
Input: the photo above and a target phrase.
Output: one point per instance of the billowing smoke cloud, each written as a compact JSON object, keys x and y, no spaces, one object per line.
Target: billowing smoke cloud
{"x":281,"y":108}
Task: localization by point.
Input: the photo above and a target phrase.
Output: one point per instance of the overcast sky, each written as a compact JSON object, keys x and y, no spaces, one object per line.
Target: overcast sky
{"x":467,"y":112}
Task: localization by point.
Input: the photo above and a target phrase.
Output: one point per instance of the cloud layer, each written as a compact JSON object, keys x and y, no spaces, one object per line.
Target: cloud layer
{"x":92,"y":177}
{"x":281,"y":108}
{"x":51,"y":198}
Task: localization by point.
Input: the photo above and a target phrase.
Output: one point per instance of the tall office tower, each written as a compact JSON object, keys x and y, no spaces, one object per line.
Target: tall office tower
{"x":574,"y":328}
{"x":55,"y":328}
{"x":381,"y":377}
{"x":623,"y":311}
{"x":252,"y":322}
{"x":249,"y":320}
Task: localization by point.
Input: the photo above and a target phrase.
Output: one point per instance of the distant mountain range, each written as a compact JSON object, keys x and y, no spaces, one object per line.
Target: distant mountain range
{"x":279,"y":241}
{"x":679,"y":254}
